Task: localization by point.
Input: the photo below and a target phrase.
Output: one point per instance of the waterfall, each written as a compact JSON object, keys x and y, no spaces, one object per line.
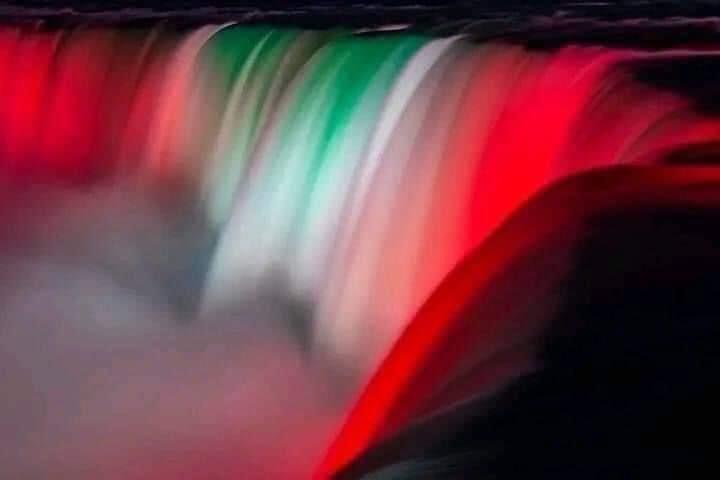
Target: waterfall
{"x":350,"y":171}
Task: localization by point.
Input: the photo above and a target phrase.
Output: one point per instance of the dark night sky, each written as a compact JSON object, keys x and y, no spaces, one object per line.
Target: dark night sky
{"x":653,"y":22}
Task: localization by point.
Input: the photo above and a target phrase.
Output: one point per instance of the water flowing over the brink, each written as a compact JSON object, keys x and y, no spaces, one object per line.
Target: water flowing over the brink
{"x":349,"y":172}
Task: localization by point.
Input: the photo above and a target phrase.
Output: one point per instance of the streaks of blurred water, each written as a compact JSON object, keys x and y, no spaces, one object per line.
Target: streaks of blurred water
{"x":350,"y":172}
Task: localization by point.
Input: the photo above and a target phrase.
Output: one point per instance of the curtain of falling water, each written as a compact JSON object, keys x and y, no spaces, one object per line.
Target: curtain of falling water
{"x":352,"y":172}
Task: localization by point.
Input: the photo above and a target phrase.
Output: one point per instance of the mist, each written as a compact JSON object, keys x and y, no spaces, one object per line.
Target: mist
{"x":108,"y":373}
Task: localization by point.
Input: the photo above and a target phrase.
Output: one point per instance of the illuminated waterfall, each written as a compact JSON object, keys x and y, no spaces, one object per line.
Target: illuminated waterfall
{"x":350,"y":171}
